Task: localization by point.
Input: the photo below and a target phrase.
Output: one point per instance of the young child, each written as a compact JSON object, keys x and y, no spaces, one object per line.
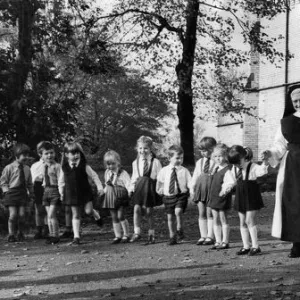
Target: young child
{"x":201,"y":182}
{"x":51,"y":197}
{"x":173,"y":182}
{"x":74,"y":187}
{"x":37,"y":179}
{"x":116,"y":197}
{"x":220,"y":196}
{"x":16,"y":183}
{"x":143,"y":182}
{"x":248,"y":199}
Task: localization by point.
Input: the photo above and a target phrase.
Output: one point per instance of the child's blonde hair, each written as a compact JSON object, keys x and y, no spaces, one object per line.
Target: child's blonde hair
{"x":223,"y":149}
{"x":147,"y":140}
{"x":112,"y":155}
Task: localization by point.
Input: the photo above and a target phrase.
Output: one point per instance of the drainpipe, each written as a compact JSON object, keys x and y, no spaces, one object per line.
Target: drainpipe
{"x":287,"y":38}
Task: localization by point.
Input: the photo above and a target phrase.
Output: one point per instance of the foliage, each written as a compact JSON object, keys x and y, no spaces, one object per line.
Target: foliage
{"x":182,"y":40}
{"x":119,"y":109}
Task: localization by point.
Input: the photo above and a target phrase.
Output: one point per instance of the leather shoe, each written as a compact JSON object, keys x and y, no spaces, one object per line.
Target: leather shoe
{"x":294,"y":254}
{"x":254,"y":251}
{"x":243,"y":251}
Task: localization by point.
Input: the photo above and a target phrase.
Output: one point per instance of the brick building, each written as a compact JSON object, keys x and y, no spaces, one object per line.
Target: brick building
{"x":267,"y":87}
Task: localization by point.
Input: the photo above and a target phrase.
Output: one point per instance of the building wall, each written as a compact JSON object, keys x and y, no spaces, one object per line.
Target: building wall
{"x":231,"y":135}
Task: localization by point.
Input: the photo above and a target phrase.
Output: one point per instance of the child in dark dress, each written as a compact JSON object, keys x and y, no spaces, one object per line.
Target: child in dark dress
{"x":201,"y":182}
{"x":220,"y":196}
{"x":286,"y":151}
{"x":248,"y":199}
{"x":16,"y":184}
{"x":143,"y":182}
{"x":74,"y":187}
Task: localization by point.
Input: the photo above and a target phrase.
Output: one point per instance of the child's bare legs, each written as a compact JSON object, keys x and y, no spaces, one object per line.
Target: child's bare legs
{"x":137,"y":219}
{"x":76,"y":221}
{"x":21,"y":222}
{"x":52,"y":222}
{"x":250,"y":221}
{"x":171,"y":225}
{"x":244,"y":231}
{"x":116,"y":224}
{"x":217,"y":226}
{"x":210,"y":224}
{"x":202,"y":220}
{"x":39,"y":218}
{"x":178,"y":214}
{"x":225,"y":226}
{"x":12,"y":220}
{"x":124,"y":224}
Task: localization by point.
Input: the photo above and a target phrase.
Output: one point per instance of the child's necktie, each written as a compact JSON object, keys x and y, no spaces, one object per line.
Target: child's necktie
{"x":239,"y":175}
{"x":145,"y":170}
{"x":206,"y":166}
{"x":22,"y":176}
{"x":47,"y":178}
{"x":172,"y":181}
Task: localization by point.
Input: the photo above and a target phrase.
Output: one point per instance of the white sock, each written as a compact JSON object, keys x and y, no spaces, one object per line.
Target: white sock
{"x":137,"y":230}
{"x":225,"y":231}
{"x":245,"y":237}
{"x":96,"y":215}
{"x":210,"y":228}
{"x":203,"y":228}
{"x":76,"y":228}
{"x":125,"y":227}
{"x":253,"y":234}
{"x":117,"y":230}
{"x":218,"y":233}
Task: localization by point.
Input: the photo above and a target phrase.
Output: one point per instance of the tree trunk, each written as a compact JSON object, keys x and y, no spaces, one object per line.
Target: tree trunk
{"x":184,"y":70}
{"x":25,"y":13}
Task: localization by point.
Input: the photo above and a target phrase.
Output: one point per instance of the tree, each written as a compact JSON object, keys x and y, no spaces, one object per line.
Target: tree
{"x":182,"y":34}
{"x":119,"y":109}
{"x":45,"y":69}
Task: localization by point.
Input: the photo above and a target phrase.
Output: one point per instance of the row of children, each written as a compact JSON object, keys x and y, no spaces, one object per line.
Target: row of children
{"x":217,"y":173}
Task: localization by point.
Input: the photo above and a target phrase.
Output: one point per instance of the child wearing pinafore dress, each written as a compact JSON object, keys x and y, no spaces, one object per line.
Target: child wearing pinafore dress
{"x":248,"y":200}
{"x":201,"y":182}
{"x":220,"y":196}
{"x":117,"y":182}
{"x":143,"y":187}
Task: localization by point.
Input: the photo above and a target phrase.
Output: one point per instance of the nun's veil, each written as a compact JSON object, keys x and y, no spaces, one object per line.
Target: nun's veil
{"x":289,"y":107}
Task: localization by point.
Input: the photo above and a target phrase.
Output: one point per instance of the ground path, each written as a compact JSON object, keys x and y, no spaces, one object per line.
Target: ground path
{"x":98,"y":270}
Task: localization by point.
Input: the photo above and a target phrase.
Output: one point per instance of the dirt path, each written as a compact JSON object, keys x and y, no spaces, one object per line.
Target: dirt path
{"x":98,"y":270}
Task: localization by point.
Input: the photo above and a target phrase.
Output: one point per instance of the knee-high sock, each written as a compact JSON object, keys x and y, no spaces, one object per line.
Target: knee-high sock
{"x":210,"y":228}
{"x":55,"y":227}
{"x":117,"y":230}
{"x":137,"y":229}
{"x":203,"y":228}
{"x":96,"y":215}
{"x":218,"y":233}
{"x":253,"y":234}
{"x":125,"y":227}
{"x":76,"y":228}
{"x":245,"y":237}
{"x":225,"y":232}
{"x":50,"y":227}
